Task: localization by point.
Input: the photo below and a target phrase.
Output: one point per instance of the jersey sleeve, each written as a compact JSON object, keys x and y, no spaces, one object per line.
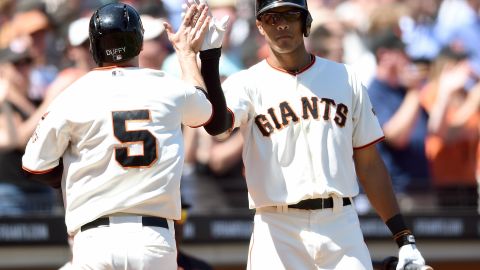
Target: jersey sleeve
{"x":197,"y":110}
{"x":236,"y":95}
{"x":366,"y":128}
{"x":49,"y":141}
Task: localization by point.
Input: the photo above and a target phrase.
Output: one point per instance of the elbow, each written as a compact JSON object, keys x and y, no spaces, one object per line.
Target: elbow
{"x":216,"y":131}
{"x":52,"y":178}
{"x":220,"y":124}
{"x":398,"y":142}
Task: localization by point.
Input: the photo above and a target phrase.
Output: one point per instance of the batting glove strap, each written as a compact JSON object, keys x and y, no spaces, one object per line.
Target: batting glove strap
{"x":409,"y":254}
{"x":405,"y":239}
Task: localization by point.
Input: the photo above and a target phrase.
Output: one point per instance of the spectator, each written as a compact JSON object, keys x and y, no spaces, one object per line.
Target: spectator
{"x":394,"y":93}
{"x":326,"y":41}
{"x":36,"y":34}
{"x":213,"y":178}
{"x":451,"y":151}
{"x":467,"y":38}
{"x":17,"y":195}
{"x":452,"y":16}
{"x":155,"y":43}
{"x":356,"y":17}
{"x":418,"y":29}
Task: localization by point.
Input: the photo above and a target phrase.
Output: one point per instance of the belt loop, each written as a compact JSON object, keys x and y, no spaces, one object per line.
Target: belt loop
{"x":337,"y":203}
{"x":282,"y":208}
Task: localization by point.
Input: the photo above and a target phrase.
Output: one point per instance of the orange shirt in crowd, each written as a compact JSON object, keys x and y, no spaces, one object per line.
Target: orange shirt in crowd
{"x":454,"y":162}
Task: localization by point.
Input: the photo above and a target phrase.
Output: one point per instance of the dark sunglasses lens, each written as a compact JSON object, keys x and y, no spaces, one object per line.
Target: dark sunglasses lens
{"x":23,"y":62}
{"x":273,"y":18}
{"x":268,"y":18}
{"x":291,"y":16}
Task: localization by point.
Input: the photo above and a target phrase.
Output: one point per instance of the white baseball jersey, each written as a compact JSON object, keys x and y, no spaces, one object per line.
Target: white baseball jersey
{"x":300,"y":130}
{"x":119,"y":133}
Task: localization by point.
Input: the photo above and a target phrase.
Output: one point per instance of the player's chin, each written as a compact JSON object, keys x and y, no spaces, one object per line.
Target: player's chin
{"x":285,"y":45}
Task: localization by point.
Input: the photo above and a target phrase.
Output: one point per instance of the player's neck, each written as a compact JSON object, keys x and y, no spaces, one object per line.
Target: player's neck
{"x":130,"y":63}
{"x":291,"y":62}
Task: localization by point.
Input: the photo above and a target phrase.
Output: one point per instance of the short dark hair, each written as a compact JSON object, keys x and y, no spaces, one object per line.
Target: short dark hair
{"x":388,"y":39}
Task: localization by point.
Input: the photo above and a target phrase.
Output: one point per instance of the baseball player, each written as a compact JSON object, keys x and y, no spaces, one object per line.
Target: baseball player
{"x":113,"y":142}
{"x":309,"y":132}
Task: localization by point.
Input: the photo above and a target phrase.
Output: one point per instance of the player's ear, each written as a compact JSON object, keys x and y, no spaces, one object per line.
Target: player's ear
{"x":260,"y":27}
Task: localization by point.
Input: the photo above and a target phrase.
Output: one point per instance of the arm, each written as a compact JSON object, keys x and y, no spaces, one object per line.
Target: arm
{"x":468,"y":110}
{"x":451,"y":81}
{"x":399,"y":128}
{"x":376,"y":182}
{"x":222,"y":119}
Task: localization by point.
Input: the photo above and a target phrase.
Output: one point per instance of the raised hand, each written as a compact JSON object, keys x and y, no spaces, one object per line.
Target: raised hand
{"x":191,"y":33}
{"x":216,"y":28}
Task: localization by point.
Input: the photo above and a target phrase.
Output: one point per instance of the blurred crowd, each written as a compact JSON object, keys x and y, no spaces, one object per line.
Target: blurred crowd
{"x":419,"y":60}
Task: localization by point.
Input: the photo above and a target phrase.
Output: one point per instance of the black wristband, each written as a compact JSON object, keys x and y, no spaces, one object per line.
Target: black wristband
{"x":401,"y":234}
{"x":396,"y":224}
{"x":211,"y":54}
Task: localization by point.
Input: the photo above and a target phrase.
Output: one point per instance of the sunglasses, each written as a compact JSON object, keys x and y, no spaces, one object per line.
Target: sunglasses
{"x":273,"y":18}
{"x":23,"y":62}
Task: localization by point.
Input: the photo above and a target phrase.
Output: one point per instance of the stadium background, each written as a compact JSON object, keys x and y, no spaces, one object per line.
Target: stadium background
{"x":449,"y":238}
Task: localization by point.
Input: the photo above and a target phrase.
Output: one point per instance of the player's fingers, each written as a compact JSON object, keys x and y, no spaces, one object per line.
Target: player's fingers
{"x":203,"y":11}
{"x":189,"y":16}
{"x":168,"y":29}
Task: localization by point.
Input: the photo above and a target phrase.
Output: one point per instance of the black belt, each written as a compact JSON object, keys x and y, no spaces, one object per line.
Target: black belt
{"x":146,"y":221}
{"x":315,"y":204}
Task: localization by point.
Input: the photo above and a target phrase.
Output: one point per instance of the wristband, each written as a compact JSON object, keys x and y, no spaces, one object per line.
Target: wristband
{"x":401,"y":234}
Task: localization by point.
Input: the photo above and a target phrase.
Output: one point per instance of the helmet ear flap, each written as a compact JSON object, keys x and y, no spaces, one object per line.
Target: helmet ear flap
{"x":307,"y":24}
{"x":94,"y":36}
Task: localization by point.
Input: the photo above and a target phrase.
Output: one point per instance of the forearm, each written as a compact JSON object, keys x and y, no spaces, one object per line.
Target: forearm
{"x":221,"y":121}
{"x":468,"y":109}
{"x":190,"y":70}
{"x":377,"y":185}
{"x":399,"y":128}
{"x":437,"y":117}
{"x":375,"y":180}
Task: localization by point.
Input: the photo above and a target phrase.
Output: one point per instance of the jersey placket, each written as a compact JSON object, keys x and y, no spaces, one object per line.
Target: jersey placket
{"x":304,"y":129}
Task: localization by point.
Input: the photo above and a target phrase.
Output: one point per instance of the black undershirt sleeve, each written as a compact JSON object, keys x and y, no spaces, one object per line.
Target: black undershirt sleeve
{"x":221,"y":120}
{"x":52,"y":178}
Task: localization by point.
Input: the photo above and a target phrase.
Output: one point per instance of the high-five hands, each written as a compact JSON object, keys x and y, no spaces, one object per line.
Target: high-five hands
{"x":216,"y":28}
{"x":191,"y":33}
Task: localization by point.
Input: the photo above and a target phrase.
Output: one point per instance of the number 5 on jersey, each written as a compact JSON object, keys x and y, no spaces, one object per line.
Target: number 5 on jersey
{"x":131,"y":137}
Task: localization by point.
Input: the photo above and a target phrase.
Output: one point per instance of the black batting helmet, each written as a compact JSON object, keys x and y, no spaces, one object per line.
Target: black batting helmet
{"x":262,"y":6}
{"x":115,"y":33}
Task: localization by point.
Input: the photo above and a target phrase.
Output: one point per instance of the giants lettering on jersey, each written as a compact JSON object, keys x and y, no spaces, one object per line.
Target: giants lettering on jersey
{"x":277,"y":119}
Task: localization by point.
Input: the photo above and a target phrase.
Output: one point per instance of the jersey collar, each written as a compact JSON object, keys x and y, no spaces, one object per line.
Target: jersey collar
{"x":296,"y":72}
